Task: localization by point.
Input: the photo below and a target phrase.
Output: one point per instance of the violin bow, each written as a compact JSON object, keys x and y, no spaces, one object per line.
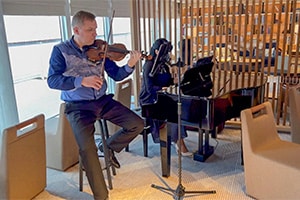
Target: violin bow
{"x":105,"y":51}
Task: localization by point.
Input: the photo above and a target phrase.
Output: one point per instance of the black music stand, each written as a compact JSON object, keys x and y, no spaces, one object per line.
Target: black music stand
{"x":179,"y":192}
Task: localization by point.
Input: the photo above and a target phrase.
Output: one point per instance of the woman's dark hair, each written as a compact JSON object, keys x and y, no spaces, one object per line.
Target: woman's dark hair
{"x":157,"y":44}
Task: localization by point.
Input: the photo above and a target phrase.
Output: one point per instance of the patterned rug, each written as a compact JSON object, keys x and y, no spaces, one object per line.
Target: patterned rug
{"x":221,"y":172}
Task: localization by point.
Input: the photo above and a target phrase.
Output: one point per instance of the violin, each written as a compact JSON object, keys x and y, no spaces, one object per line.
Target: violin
{"x":115,"y":52}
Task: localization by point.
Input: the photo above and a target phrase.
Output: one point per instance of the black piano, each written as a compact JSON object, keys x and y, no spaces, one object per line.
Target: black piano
{"x":228,"y":93}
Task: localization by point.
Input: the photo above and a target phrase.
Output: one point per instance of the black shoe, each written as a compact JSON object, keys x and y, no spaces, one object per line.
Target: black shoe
{"x":112,"y":158}
{"x":100,"y":147}
{"x":113,"y":161}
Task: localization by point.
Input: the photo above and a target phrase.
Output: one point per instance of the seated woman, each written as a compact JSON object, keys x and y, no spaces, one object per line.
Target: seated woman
{"x":153,"y":82}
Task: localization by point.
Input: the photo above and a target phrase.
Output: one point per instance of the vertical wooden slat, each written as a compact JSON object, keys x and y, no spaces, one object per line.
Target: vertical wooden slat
{"x":219,"y":25}
{"x":164,"y":18}
{"x":159,"y":26}
{"x":195,"y":51}
{"x":196,"y":42}
{"x":242,"y":47}
{"x":176,"y":9}
{"x":239,"y":36}
{"x":181,"y":28}
{"x":296,"y":59}
{"x":142,"y":4}
{"x":148,"y":41}
{"x":191,"y":32}
{"x":285,"y":34}
{"x":154,"y":20}
{"x":211,"y":43}
{"x":251,"y":29}
{"x":245,"y":44}
{"x":281,"y":85}
{"x":169,"y":18}
{"x":232,"y":41}
{"x":291,"y":42}
{"x":134,"y":31}
{"x":247,"y":23}
{"x":292,"y":35}
{"x":212,"y":26}
{"x":282,"y":109}
{"x":262,"y":30}
{"x":183,"y":25}
{"x":278,"y":46}
{"x":187,"y":14}
{"x":202,"y":29}
{"x":260,"y":43}
{"x":225,"y":32}
{"x":271,"y":35}
{"x":280,"y":69}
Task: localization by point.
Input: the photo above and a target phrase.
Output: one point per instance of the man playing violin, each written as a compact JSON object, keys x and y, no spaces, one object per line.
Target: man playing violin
{"x":83,"y":88}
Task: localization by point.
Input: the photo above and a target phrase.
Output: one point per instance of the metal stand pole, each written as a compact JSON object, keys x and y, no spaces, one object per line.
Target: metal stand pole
{"x":179,"y":192}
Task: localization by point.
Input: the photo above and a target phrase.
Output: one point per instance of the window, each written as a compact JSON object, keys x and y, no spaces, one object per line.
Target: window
{"x":30,"y":41}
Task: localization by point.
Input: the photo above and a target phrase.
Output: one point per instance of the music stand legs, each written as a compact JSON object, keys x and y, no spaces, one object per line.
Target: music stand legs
{"x":179,"y":192}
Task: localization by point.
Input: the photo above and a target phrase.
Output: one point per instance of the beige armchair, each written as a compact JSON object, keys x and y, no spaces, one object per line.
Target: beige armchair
{"x":271,"y":165}
{"x":123,"y":95}
{"x":294,"y":104}
{"x":23,"y":160}
{"x":61,"y":147}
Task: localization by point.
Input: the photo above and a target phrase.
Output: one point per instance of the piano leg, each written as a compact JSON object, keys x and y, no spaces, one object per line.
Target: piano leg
{"x":204,"y":151}
{"x":165,"y":150}
{"x":179,"y":192}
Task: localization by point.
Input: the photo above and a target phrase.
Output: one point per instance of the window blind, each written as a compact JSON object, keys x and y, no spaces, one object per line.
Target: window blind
{"x":102,"y":7}
{"x":57,"y":7}
{"x":33,"y":7}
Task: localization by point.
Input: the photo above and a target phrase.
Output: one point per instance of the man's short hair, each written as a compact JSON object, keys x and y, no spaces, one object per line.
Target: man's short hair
{"x":79,"y":18}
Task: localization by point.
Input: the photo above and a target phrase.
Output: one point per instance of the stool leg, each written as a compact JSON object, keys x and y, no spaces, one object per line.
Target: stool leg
{"x":145,"y":141}
{"x":80,"y":174}
{"x":113,"y":169}
{"x":145,"y":137}
{"x":106,"y":154}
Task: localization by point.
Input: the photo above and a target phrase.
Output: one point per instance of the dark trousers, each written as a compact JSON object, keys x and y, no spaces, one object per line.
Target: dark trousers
{"x":82,"y":116}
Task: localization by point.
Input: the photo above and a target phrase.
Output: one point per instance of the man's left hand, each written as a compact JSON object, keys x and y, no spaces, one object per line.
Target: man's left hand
{"x":135,"y":56}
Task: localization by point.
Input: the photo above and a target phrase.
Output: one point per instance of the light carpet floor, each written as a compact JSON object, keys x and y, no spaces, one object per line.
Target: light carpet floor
{"x":221,"y":172}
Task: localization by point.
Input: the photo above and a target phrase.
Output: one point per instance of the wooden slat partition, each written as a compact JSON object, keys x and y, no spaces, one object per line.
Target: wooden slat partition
{"x":243,"y":35}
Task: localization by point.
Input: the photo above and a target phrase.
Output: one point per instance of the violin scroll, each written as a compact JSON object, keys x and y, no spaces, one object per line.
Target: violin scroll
{"x":145,"y":56}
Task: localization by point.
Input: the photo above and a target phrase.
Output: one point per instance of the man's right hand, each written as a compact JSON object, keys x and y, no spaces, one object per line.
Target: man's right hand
{"x":92,"y":82}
